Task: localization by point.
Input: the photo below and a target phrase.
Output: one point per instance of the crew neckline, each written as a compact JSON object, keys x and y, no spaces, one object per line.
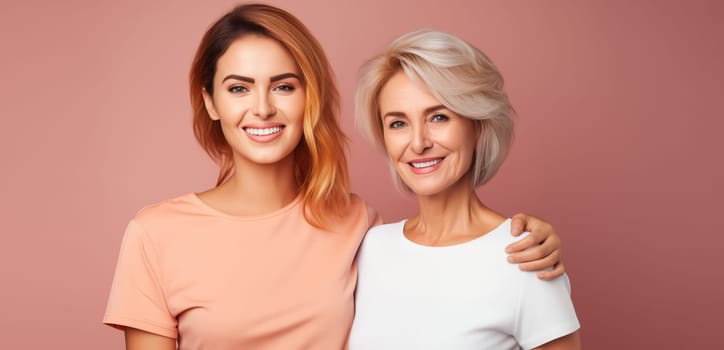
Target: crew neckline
{"x":470,"y":242}
{"x":207,"y":207}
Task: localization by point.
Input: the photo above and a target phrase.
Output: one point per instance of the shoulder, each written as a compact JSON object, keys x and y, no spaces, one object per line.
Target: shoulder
{"x":501,"y":234}
{"x":385,"y":233}
{"x":168,"y":206}
{"x":381,"y":244}
{"x":488,"y":251}
{"x":173,"y":212}
{"x":356,"y":202}
{"x":388,"y":229}
{"x":545,"y":310}
{"x":560,"y":286}
{"x":360,"y":207}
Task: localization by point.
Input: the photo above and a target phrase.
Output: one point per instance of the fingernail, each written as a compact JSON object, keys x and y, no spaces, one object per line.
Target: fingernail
{"x":510,"y":258}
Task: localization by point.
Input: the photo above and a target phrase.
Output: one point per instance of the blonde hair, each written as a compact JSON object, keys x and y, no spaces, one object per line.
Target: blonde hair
{"x":459,"y":76}
{"x":320,"y":161}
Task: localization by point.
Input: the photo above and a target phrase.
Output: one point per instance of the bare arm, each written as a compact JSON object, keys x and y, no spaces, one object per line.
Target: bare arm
{"x":568,"y":342}
{"x":544,"y":244}
{"x":137,"y":339}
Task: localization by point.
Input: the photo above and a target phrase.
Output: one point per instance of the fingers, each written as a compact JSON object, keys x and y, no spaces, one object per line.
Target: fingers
{"x":518,"y":224}
{"x":547,"y":262}
{"x":540,"y":229}
{"x":532,"y":242}
{"x":522,"y":244}
{"x":539,"y":250}
{"x":537,"y":258}
{"x":551,"y":243}
{"x":548,"y":275}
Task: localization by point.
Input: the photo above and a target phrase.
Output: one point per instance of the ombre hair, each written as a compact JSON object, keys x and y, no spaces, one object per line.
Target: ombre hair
{"x":459,"y":76}
{"x":320,"y":164}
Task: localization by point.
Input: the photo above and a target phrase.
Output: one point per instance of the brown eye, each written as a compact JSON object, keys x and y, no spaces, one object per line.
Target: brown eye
{"x":285,"y":87}
{"x":237,"y":89}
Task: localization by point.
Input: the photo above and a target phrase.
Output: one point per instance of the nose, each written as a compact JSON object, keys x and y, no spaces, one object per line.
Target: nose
{"x":421,"y":141}
{"x":264,"y":106}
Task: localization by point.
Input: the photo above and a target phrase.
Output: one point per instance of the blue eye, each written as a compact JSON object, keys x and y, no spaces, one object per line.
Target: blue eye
{"x":439,"y":118}
{"x":397,"y":124}
{"x":237,"y":89}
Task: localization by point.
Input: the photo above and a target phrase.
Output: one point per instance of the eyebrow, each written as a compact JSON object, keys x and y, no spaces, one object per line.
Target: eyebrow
{"x":427,"y":110}
{"x":251,"y":80}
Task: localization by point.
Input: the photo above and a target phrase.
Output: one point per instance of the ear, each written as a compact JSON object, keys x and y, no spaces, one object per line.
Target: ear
{"x":209,"y":104}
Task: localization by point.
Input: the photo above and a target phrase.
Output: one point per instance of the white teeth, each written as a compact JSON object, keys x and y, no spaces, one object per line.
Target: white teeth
{"x":426,"y":164}
{"x":263,"y":132}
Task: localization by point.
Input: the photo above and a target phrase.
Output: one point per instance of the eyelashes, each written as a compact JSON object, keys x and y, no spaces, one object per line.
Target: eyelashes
{"x":396,"y":124}
{"x":241,"y":89}
{"x":435,"y":118}
{"x":285,"y":87}
{"x":438,"y":117}
{"x":237,"y":89}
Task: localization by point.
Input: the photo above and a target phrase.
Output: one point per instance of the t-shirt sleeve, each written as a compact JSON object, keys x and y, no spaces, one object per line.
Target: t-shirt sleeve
{"x":545,"y":311}
{"x":137,"y":298}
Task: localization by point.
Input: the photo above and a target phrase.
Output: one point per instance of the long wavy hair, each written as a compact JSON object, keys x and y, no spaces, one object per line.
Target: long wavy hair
{"x":320,"y":164}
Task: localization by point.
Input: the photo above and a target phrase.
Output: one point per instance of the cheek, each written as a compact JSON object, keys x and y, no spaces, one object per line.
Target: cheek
{"x":296,"y":107}
{"x":392,"y":145}
{"x":227,"y":111}
{"x":466,"y":140}
{"x":468,"y":147}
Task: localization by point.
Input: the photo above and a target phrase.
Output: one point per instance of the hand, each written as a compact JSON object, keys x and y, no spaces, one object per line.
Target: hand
{"x":544,"y":244}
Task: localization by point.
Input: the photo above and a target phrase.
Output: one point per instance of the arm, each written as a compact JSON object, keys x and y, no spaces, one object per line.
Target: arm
{"x":137,"y":300}
{"x":544,"y":244}
{"x":137,"y":339}
{"x":568,"y":342}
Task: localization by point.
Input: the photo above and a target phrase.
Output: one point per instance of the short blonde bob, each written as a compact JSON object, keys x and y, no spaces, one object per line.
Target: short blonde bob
{"x":459,"y":76}
{"x":319,"y":159}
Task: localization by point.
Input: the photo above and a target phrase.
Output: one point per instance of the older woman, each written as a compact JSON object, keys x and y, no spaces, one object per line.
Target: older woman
{"x":439,"y":280}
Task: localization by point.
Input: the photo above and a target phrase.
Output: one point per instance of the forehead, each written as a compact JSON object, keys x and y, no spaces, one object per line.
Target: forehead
{"x":401,"y":93}
{"x":256,"y":56}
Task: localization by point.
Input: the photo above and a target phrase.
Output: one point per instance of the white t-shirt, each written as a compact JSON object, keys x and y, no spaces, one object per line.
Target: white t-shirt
{"x":465,"y":296}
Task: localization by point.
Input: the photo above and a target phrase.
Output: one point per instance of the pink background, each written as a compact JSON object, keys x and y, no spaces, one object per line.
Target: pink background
{"x":618,"y":145}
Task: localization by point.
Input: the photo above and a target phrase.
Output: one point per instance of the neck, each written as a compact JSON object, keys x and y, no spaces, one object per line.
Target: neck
{"x":256,"y":189}
{"x":453,"y":216}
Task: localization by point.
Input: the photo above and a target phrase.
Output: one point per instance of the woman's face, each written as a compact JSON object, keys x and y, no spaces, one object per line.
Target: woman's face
{"x":259,"y":100}
{"x":430,"y":147}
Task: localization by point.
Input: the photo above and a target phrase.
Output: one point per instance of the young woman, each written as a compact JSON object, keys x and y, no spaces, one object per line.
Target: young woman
{"x":264,"y":260}
{"x":439,"y":280}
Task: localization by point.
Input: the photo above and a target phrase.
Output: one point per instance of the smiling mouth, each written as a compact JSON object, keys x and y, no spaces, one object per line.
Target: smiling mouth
{"x":263,"y":131}
{"x":425,"y":164}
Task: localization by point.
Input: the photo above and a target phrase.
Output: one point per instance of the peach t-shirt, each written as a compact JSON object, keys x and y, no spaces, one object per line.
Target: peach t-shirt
{"x":216,"y":281}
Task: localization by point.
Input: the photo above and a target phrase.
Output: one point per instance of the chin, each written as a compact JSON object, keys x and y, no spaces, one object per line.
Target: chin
{"x":266,"y":158}
{"x":435,"y":187}
{"x":426,"y":190}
